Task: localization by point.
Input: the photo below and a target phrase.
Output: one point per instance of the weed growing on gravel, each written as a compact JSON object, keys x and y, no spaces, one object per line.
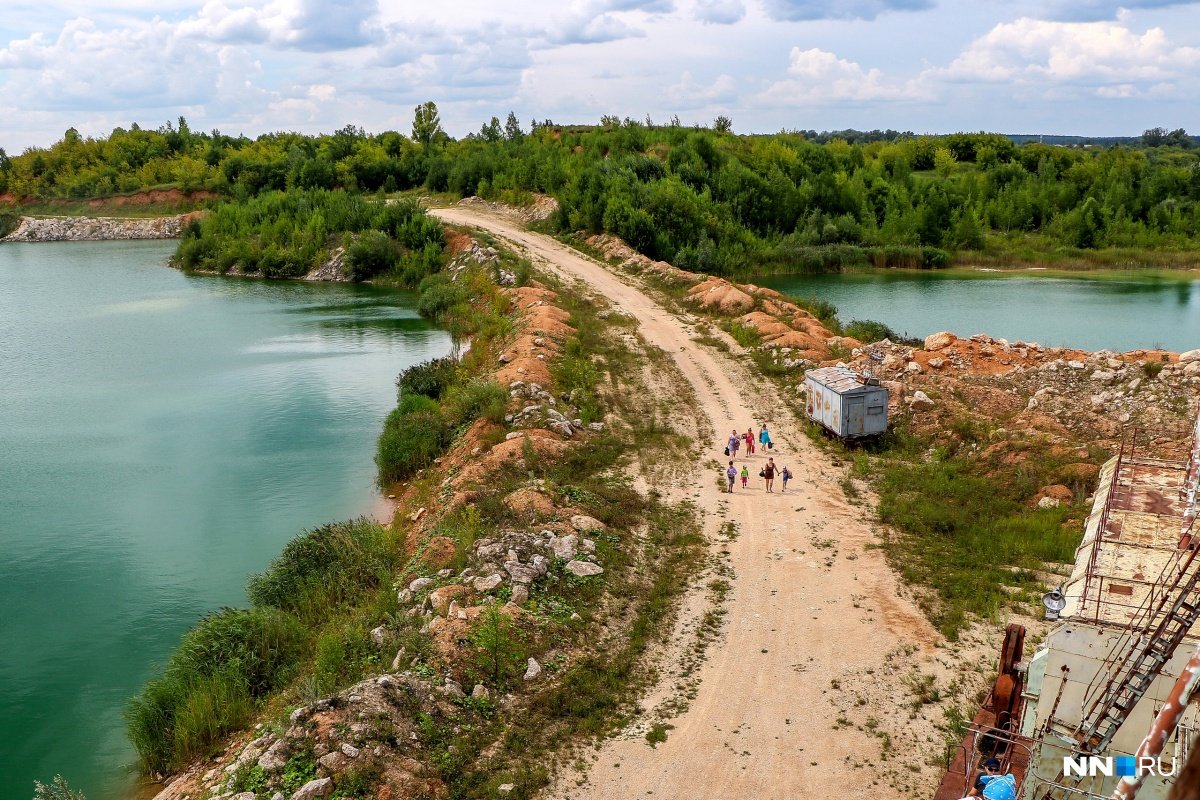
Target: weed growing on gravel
{"x":658,"y":733}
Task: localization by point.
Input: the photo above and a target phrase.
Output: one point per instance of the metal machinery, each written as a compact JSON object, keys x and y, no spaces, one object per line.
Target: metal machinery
{"x":1112,"y":669}
{"x":993,"y":731}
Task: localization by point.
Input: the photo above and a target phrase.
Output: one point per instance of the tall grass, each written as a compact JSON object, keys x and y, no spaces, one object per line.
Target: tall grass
{"x":230,"y":659}
{"x":473,"y":399}
{"x":413,"y":435}
{"x":233,"y":659}
{"x":336,"y":564}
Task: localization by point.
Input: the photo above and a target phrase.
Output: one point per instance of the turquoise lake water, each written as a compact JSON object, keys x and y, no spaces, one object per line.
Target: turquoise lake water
{"x":1094,"y":311}
{"x":161,"y":437}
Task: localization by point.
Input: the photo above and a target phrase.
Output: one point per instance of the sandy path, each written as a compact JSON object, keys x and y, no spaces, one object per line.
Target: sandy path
{"x":809,"y":604}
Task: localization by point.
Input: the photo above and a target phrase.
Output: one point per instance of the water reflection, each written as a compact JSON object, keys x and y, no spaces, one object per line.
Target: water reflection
{"x":163,"y":436}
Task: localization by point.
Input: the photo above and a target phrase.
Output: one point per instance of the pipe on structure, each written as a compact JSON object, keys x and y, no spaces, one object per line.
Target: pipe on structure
{"x":1163,"y":726}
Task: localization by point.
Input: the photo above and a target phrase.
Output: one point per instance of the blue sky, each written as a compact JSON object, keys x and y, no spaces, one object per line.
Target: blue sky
{"x":1086,"y":67}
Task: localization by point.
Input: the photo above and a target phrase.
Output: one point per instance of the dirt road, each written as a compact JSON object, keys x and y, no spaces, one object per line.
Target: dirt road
{"x":817,"y":632}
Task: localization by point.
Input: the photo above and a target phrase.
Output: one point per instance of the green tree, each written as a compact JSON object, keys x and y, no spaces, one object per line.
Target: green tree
{"x":968,"y":233}
{"x":512,"y":128}
{"x":498,"y":649}
{"x":490,"y":132}
{"x":1179,"y":138}
{"x":1086,"y":224}
{"x":723,"y":124}
{"x":1154,"y":137}
{"x":427,"y":124}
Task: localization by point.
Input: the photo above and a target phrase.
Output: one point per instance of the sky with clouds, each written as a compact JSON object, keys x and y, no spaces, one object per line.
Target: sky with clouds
{"x":1087,"y":67}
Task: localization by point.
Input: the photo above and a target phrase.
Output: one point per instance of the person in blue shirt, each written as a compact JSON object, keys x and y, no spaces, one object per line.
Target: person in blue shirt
{"x":991,"y":785}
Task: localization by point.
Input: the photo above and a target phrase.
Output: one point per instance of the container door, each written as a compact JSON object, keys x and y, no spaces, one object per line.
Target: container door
{"x":856,"y":416}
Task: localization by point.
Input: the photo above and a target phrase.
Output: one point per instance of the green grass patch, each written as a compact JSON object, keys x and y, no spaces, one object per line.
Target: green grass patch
{"x":742,"y":334}
{"x":965,"y":536}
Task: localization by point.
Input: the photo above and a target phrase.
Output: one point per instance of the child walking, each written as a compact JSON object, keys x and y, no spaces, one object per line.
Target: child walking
{"x":745,"y":475}
{"x":731,"y":474}
{"x":786,"y":475}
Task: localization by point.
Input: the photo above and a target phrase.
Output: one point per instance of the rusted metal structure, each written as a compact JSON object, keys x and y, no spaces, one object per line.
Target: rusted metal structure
{"x":993,"y":731}
{"x":1164,"y":726}
{"x":1119,"y":654}
{"x":846,"y":403}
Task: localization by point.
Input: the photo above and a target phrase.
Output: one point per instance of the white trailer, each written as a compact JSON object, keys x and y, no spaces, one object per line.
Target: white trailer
{"x":846,"y":403}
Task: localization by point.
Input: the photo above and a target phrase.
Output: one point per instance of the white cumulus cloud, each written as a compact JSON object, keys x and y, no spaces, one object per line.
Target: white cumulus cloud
{"x":819,"y":77}
{"x":1109,"y":52}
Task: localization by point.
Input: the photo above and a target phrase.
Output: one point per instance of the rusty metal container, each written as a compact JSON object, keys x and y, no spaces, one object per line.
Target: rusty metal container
{"x":848,"y":404}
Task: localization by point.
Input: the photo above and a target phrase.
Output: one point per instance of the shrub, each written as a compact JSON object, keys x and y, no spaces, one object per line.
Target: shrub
{"x":371,"y":254}
{"x":934,"y":258}
{"x":476,"y":398}
{"x":439,"y":294}
{"x":410,"y":441}
{"x":57,"y":789}
{"x":9,"y":220}
{"x":868,"y":330}
{"x":335,"y":564}
{"x":430,"y":378}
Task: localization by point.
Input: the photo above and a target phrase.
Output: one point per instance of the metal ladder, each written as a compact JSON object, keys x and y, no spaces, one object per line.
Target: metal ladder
{"x":1155,"y":634}
{"x":1176,"y":613}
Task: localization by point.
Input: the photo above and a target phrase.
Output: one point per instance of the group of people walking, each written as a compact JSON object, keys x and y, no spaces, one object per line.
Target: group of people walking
{"x":767,"y":472}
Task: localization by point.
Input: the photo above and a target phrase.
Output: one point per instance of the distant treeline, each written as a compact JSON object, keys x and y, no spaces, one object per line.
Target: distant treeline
{"x":705,"y":199}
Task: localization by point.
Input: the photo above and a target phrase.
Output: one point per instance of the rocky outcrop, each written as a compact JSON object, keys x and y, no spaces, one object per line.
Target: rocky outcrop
{"x":1026,"y":390}
{"x":97,"y":229}
{"x":333,"y":268}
